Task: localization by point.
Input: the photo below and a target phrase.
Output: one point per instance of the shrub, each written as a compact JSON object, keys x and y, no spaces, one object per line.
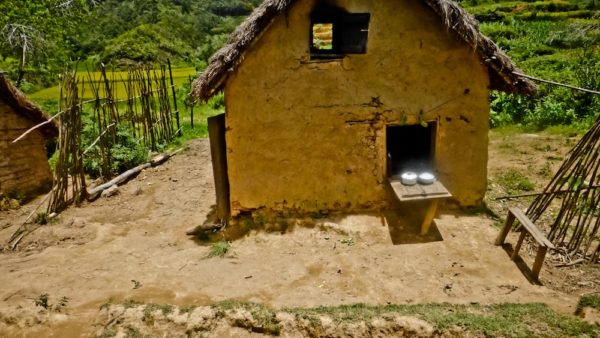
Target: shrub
{"x":125,"y":153}
{"x":548,"y":111}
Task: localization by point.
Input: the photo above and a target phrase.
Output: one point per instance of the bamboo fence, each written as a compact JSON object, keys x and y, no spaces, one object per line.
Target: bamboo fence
{"x":148,"y":112}
{"x":576,"y":187}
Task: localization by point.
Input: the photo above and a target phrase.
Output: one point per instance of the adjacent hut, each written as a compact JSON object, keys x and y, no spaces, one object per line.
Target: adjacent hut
{"x":24,"y":165}
{"x":326,"y":100}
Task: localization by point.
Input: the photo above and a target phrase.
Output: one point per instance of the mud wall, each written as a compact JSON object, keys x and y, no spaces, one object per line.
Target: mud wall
{"x":310,"y":134}
{"x":23,"y":165}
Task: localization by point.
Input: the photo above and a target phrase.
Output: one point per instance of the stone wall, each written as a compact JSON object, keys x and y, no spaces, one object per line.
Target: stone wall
{"x":310,"y":135}
{"x":23,"y":165}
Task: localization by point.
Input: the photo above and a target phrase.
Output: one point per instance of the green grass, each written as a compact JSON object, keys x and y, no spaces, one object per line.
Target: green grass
{"x":501,"y":320}
{"x":264,"y":316}
{"x":180,"y":76}
{"x":592,"y":301}
{"x":219,"y":249}
{"x":514,"y":181}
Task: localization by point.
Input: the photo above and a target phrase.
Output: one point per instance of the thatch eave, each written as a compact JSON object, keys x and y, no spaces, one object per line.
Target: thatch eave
{"x":26,"y":108}
{"x":457,"y":21}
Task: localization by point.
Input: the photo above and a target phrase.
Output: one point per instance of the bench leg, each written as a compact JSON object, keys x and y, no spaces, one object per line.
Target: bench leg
{"x":429,"y":216}
{"x":518,"y":245}
{"x":506,"y":229}
{"x":539,"y":261}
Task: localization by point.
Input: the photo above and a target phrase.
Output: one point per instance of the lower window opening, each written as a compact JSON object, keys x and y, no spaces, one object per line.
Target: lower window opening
{"x":410,"y":148}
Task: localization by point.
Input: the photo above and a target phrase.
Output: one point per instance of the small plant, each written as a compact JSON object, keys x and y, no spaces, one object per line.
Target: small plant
{"x":42,"y":301}
{"x":348,"y":241}
{"x":219,"y":249}
{"x":136,"y":284}
{"x":62,"y":303}
{"x":41,"y":218}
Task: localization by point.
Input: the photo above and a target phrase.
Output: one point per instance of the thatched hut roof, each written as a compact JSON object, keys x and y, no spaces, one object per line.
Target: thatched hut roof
{"x":456,"y":20}
{"x":23,"y":106}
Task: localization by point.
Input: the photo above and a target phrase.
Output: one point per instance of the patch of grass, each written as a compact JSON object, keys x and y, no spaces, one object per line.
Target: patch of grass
{"x":592,"y":301}
{"x":106,"y":334}
{"x":149,"y":310}
{"x":41,"y":218}
{"x":219,"y":249}
{"x":512,"y":181}
{"x":265,"y":320}
{"x":132,"y":332}
{"x":187,"y":309}
{"x":348,"y":241}
{"x":501,"y":320}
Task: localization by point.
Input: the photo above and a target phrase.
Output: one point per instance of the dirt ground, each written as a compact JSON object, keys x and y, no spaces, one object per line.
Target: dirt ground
{"x":133,"y":246}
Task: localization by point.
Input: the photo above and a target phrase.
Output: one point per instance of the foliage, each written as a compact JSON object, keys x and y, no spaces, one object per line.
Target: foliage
{"x":186,"y":31}
{"x":554,"y":40}
{"x":126,"y":151}
{"x":145,"y":43}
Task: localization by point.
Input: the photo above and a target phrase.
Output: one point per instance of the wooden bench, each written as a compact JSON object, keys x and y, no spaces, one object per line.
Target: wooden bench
{"x":528,"y":228}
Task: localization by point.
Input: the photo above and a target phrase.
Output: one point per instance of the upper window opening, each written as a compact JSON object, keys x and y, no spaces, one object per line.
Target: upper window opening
{"x":322,"y":36}
{"x":335,"y":33}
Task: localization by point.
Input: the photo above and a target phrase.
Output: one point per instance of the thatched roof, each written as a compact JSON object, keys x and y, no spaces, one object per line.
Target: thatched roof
{"x":23,"y":106}
{"x":456,"y":20}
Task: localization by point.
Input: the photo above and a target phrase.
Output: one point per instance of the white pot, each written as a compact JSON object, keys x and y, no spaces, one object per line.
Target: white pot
{"x":409,"y":178}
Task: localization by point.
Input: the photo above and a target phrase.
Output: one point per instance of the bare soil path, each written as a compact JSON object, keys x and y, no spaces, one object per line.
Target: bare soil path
{"x":133,"y":246}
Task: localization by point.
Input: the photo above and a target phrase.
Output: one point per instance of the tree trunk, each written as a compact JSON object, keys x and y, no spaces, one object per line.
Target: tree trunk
{"x":21,"y":67}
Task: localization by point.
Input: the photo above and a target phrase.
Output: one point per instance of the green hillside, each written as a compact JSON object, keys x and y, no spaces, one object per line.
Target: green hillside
{"x":557,"y":40}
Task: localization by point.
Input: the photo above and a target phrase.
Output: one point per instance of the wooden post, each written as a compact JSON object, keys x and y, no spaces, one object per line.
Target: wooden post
{"x":174,"y":98}
{"x":218,"y":154}
{"x":518,"y":245}
{"x":192,"y":103}
{"x":506,"y":229}
{"x":539,"y":261}
{"x":429,"y":216}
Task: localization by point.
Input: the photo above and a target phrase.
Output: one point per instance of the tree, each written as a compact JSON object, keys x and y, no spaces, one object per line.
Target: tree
{"x":26,"y":40}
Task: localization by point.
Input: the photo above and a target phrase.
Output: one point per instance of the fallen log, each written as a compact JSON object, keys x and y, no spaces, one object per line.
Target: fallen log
{"x":157,"y":160}
{"x":92,"y":194}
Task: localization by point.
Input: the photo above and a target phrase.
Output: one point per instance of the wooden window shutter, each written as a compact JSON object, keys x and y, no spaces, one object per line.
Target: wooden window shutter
{"x":354,"y":32}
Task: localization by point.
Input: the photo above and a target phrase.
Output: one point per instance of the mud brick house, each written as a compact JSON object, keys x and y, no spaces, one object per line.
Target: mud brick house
{"x":326,"y":100}
{"x":24,"y":165}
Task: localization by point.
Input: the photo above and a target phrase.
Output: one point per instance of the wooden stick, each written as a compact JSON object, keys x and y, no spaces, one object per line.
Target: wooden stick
{"x":99,"y":137}
{"x":20,"y":229}
{"x":543,"y":193}
{"x":557,"y":83}
{"x":36,"y":127}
